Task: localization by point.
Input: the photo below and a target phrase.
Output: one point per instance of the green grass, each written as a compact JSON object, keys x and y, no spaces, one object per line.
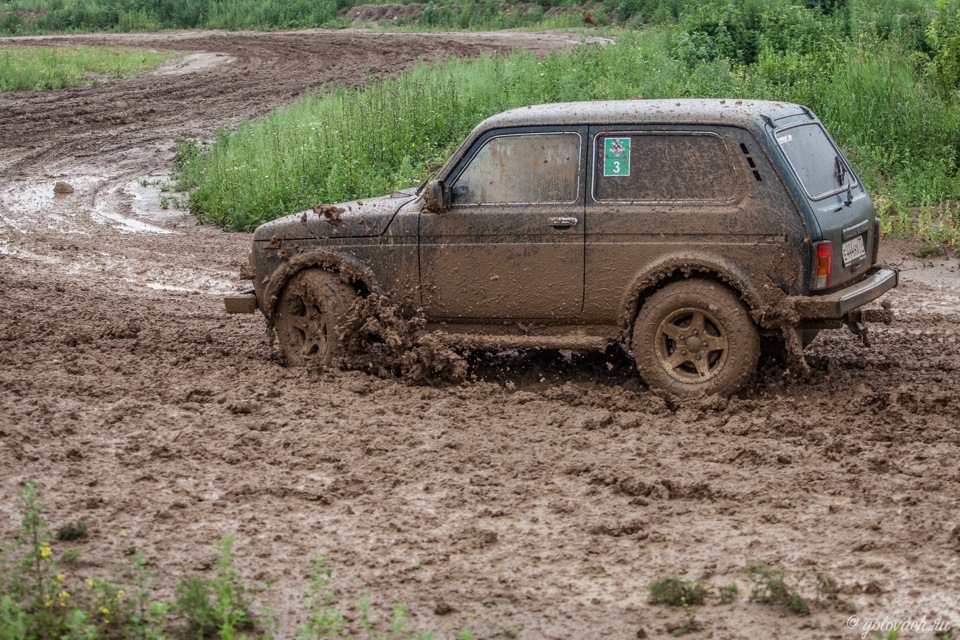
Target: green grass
{"x":54,"y":68}
{"x":47,"y":16}
{"x":901,"y":132}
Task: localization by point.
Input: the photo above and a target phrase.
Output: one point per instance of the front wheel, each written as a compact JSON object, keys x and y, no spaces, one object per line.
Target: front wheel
{"x":309,"y":317}
{"x":695,"y":337}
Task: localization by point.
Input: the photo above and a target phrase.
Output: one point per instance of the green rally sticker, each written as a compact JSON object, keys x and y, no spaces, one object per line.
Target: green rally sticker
{"x":616,"y":157}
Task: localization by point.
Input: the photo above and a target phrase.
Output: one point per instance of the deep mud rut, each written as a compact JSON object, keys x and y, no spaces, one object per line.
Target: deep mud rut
{"x":537,"y":500}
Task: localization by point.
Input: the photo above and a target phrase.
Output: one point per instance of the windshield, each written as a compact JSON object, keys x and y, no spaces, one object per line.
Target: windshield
{"x":816,"y":161}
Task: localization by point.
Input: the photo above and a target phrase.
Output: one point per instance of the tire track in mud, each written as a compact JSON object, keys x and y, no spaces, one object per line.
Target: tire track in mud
{"x":257,"y":72}
{"x":536,"y":501}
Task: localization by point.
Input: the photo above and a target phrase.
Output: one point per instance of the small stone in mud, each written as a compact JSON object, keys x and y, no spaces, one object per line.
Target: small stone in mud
{"x":443,"y":609}
{"x":62,"y":188}
{"x":872,"y":588}
{"x":330,"y":212}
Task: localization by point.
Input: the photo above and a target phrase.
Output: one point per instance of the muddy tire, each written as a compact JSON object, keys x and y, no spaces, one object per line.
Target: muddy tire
{"x":309,"y":316}
{"x":695,"y":337}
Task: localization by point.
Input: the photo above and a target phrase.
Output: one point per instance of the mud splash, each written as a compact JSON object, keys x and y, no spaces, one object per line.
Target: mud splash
{"x":330,"y":212}
{"x":383,"y":338}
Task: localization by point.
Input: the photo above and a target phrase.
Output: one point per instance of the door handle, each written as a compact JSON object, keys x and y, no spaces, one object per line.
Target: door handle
{"x":563,"y":222}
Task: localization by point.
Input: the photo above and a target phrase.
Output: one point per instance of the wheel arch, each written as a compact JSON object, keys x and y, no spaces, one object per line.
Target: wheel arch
{"x":677,"y":268}
{"x":348,"y":268}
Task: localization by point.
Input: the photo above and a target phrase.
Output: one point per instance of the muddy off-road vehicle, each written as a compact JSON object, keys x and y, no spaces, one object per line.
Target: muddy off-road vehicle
{"x":688,"y":231}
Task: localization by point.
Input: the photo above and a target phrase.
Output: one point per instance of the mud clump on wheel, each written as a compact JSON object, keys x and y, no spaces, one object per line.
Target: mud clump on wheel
{"x":695,"y":337}
{"x":310,"y":312}
{"x":381,"y":337}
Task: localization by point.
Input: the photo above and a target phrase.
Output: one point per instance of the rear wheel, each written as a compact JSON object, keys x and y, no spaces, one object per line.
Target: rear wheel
{"x":695,"y":337}
{"x":309,"y":316}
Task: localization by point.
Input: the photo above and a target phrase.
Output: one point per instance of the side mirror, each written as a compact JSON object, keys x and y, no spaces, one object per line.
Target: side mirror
{"x":435,"y":196}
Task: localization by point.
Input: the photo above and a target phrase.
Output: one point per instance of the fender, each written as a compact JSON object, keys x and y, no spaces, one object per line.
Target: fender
{"x":348,"y":267}
{"x":761,"y":298}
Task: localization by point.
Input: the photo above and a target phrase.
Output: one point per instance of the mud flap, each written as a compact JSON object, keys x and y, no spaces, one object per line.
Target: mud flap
{"x":794,"y":348}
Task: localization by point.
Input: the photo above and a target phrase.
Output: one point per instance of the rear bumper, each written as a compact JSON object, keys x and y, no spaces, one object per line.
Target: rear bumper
{"x":841,"y":303}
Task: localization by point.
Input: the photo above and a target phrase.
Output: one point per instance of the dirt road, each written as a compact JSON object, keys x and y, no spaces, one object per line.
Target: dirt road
{"x":535,"y":501}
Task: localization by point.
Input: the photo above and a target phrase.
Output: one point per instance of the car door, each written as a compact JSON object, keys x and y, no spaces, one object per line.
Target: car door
{"x":511,"y":243}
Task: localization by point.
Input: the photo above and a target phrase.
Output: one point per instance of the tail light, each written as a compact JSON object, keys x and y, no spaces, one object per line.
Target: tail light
{"x":824,"y":264}
{"x":876,"y":240}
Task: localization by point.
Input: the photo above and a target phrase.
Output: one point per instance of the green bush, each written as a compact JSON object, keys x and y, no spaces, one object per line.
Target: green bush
{"x":944,"y":38}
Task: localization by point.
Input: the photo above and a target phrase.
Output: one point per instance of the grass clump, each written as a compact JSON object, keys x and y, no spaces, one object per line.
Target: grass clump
{"x":674,"y":592}
{"x":55,"y":68}
{"x":218,"y":605}
{"x":72,"y":531}
{"x":770,"y":586}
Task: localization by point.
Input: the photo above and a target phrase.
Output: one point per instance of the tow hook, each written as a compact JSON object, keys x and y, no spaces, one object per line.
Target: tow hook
{"x":859,"y":329}
{"x":856,"y":320}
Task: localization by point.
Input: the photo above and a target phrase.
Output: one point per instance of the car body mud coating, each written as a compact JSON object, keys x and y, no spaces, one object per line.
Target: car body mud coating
{"x":689,"y":231}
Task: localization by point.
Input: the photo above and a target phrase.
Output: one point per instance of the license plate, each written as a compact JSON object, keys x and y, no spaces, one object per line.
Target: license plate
{"x":853,"y":251}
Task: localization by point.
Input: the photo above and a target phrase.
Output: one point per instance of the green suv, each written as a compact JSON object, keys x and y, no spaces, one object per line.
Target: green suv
{"x":688,"y":231}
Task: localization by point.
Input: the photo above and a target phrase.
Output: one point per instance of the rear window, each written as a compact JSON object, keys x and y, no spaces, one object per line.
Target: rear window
{"x":816,"y":161}
{"x":664,"y":167}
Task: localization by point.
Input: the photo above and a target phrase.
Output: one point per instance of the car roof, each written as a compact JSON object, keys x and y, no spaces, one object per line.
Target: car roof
{"x":639,"y":111}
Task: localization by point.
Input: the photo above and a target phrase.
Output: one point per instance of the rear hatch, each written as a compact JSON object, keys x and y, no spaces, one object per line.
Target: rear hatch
{"x":845,"y":229}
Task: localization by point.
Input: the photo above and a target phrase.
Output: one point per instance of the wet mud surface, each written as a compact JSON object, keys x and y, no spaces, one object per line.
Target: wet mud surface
{"x":536,"y":499}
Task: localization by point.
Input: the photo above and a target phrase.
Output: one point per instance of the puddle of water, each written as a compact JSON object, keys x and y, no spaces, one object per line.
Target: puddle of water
{"x":127,"y":224}
{"x":32,"y":207}
{"x":192,"y":63}
{"x":146,"y":201}
{"x":25,"y":254}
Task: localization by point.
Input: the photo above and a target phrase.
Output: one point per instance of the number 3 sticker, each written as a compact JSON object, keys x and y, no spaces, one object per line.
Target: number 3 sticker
{"x":616,"y":157}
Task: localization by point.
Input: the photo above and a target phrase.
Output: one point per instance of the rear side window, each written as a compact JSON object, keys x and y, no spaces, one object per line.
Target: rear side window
{"x":664,"y":167}
{"x":816,"y":161}
{"x":521,"y":169}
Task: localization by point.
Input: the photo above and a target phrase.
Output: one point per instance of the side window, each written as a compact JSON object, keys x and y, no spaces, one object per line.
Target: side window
{"x":659,"y":167}
{"x":521,"y":169}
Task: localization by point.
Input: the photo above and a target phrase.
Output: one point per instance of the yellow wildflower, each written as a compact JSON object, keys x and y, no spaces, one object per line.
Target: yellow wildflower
{"x":123,"y":533}
{"x":49,"y":602}
{"x":120,"y":594}
{"x":61,"y":577}
{"x":89,"y":583}
{"x":105,"y":611}
{"x":45,"y":551}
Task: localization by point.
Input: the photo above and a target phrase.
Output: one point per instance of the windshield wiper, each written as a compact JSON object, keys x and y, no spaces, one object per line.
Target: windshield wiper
{"x":840,"y":168}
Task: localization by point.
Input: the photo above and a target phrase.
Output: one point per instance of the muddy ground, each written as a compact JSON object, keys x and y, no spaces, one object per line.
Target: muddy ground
{"x":536,"y":501}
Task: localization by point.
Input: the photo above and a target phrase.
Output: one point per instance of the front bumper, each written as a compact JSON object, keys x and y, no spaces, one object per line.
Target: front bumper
{"x":243,"y":302}
{"x":842,"y":303}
